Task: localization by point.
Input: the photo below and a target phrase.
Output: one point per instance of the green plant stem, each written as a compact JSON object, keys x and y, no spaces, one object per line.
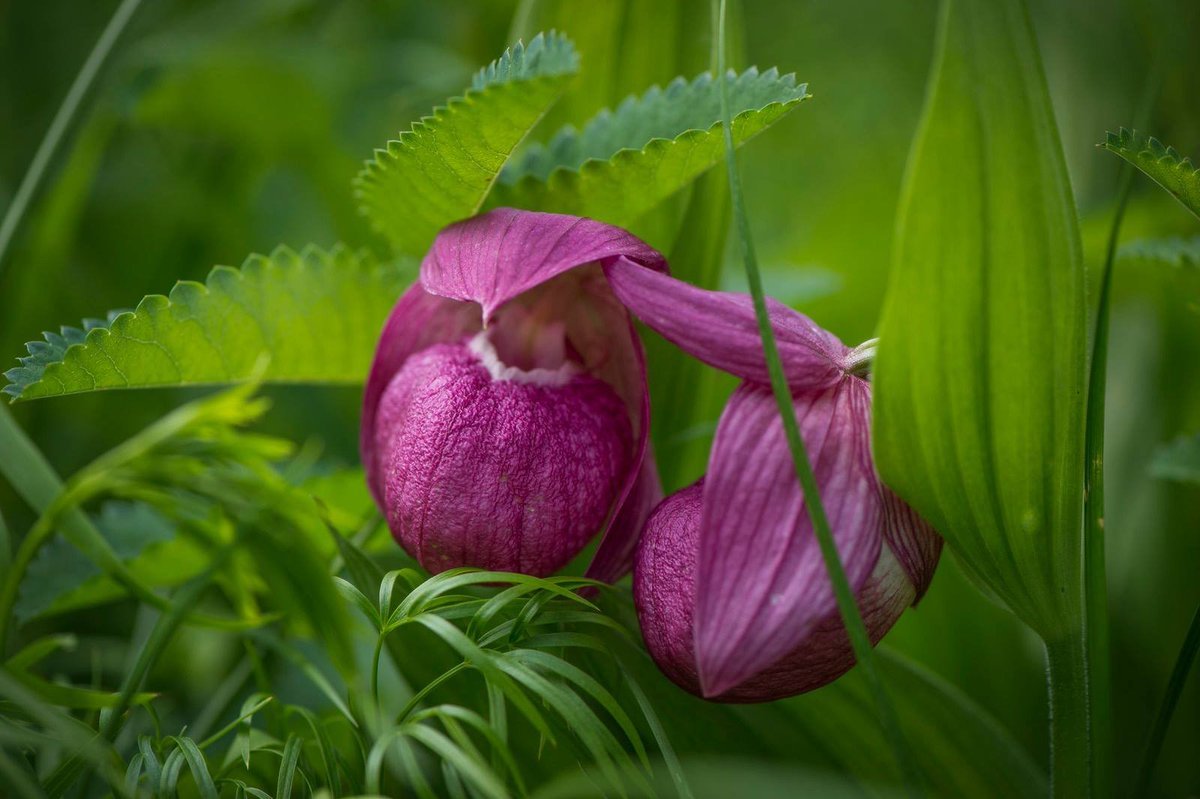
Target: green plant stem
{"x":1158,"y":733}
{"x":1070,"y":734}
{"x":61,"y":122}
{"x":419,"y":696}
{"x":847,"y":607}
{"x":1095,"y":572}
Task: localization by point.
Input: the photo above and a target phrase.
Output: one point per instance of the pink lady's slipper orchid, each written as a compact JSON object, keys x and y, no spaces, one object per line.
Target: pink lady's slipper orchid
{"x":506,"y":416}
{"x":731,"y":590}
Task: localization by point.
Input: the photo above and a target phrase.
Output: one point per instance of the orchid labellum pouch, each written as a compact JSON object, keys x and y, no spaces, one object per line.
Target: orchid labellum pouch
{"x":506,"y":416}
{"x":731,"y":588}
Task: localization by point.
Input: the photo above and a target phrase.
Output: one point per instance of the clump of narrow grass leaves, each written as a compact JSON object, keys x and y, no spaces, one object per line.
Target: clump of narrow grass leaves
{"x":345,"y":677}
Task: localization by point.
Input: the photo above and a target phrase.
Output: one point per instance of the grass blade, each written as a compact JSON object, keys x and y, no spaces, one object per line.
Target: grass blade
{"x":287,"y":769}
{"x":1158,"y":733}
{"x":198,"y":767}
{"x":847,"y":607}
{"x":62,"y":120}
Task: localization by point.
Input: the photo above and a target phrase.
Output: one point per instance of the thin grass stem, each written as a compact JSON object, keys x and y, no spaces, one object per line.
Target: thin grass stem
{"x":62,"y":122}
{"x":1158,"y":733}
{"x":847,"y":607}
{"x":1095,"y":571}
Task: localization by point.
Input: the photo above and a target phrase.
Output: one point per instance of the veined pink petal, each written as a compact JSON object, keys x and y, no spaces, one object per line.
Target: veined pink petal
{"x":491,"y":258}
{"x":664,"y":590}
{"x":761,"y":583}
{"x":664,"y":584}
{"x":720,"y":328}
{"x":535,"y":282}
{"x":418,"y":320}
{"x":825,"y":653}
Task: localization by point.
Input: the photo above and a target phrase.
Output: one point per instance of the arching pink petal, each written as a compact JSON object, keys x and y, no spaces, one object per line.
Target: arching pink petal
{"x":762,"y":585}
{"x":418,"y":320}
{"x":664,"y":592}
{"x":720,"y":328}
{"x":825,"y":653}
{"x":491,"y":258}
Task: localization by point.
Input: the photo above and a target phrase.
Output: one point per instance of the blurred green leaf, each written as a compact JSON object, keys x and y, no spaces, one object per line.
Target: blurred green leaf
{"x":980,"y":376}
{"x":1176,"y":251}
{"x":72,"y":696}
{"x":316,"y":313}
{"x":344,"y":494}
{"x":959,"y":748}
{"x":1162,"y":164}
{"x":1179,"y":460}
{"x":198,"y":767}
{"x":717,"y":778}
{"x":625,"y":162}
{"x":288,"y":766}
{"x":441,"y":170}
{"x":62,"y":578}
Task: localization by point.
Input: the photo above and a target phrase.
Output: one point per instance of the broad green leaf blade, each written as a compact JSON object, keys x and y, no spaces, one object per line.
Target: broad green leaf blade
{"x":1162,"y":164}
{"x":441,"y":169}
{"x":979,"y":403}
{"x":1179,"y":460}
{"x":316,"y":314}
{"x":625,"y":162}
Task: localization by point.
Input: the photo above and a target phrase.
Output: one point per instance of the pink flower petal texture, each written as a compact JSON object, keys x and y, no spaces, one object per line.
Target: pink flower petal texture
{"x":664,"y":586}
{"x":731,"y":588}
{"x":506,"y":416}
{"x":720,"y":328}
{"x":761,"y":583}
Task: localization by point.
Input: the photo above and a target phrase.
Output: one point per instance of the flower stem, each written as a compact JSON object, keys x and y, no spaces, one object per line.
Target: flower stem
{"x":847,"y":607}
{"x":1070,"y":733}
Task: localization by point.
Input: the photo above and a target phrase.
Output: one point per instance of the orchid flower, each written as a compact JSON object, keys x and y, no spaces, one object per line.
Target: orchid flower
{"x":506,"y":414}
{"x":731,"y":589}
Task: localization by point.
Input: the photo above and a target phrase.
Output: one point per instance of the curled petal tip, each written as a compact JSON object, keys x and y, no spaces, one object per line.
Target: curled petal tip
{"x":720,"y":328}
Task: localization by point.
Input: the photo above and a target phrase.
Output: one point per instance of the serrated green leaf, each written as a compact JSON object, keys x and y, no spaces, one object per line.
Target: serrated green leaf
{"x":980,"y":377}
{"x":1179,"y":460}
{"x":625,"y":162}
{"x":62,"y":578}
{"x":316,"y":314}
{"x":1177,"y":252}
{"x":1162,"y":164}
{"x":441,"y":169}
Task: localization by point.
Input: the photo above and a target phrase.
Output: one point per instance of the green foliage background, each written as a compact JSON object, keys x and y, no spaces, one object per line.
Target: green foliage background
{"x":225,"y":128}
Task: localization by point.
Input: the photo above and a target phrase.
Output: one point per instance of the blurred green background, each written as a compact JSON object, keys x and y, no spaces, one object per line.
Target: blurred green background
{"x":221,"y":129}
